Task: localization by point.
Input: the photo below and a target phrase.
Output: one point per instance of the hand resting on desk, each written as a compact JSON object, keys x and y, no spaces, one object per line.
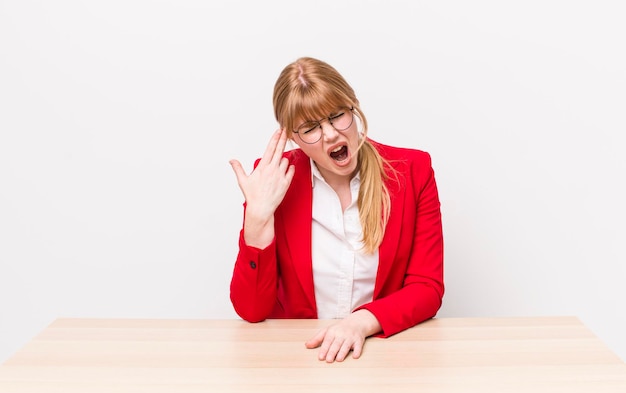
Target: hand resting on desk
{"x":337,"y":340}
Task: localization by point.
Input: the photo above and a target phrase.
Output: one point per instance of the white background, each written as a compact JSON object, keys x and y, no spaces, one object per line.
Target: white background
{"x":118,"y":118}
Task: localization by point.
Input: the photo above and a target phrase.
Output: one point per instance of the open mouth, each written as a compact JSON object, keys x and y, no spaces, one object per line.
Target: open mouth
{"x":340,"y":153}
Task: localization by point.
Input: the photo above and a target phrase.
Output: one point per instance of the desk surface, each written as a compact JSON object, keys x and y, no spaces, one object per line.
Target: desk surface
{"x":544,"y":354}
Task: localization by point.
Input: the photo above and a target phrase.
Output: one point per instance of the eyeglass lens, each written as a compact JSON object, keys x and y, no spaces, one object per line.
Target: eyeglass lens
{"x":311,"y":131}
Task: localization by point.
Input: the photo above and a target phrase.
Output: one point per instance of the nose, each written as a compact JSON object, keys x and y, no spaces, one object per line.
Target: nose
{"x":328,"y":131}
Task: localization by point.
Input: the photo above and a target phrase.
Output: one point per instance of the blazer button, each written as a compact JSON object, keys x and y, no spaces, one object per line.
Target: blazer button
{"x":252,"y":264}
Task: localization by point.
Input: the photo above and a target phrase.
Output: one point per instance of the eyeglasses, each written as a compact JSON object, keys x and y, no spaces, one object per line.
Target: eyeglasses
{"x":311,"y":131}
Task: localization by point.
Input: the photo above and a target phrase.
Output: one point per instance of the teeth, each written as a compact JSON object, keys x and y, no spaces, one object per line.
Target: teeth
{"x":337,"y":149}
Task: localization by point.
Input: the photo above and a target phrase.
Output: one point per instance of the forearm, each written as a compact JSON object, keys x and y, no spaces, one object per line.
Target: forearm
{"x":258,"y":228}
{"x":405,"y":308}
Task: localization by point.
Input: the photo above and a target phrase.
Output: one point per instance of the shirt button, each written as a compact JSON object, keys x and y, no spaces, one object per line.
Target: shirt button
{"x":252,"y":264}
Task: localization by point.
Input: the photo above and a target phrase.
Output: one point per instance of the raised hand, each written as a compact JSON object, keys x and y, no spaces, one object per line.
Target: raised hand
{"x":264,"y":189}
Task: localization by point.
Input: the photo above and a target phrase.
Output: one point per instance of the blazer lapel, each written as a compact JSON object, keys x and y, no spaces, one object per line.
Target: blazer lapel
{"x":296,"y":216}
{"x":391,"y":239}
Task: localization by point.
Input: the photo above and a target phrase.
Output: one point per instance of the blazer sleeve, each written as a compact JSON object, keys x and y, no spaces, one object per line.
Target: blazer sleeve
{"x":254,"y":281}
{"x":253,"y":286}
{"x":418,"y":296}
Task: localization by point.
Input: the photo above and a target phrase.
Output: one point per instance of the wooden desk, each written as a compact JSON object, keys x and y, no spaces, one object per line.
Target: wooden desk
{"x":547,"y":354}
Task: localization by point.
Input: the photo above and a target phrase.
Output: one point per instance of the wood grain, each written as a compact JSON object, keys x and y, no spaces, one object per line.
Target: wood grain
{"x":525,"y":354}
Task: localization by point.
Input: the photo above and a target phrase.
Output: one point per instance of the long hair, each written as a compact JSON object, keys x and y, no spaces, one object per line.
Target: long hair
{"x":309,"y":88}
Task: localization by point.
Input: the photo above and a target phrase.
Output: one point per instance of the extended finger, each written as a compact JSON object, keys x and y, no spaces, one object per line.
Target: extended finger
{"x":271,"y":147}
{"x":325,"y":347}
{"x":343,"y":352}
{"x":316,"y":340}
{"x":334,"y":349}
{"x":357,"y":349}
{"x":280,"y":146}
{"x":238,"y":169}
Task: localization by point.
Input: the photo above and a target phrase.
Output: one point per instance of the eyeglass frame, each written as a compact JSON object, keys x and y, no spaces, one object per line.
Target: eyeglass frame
{"x":319,"y":124}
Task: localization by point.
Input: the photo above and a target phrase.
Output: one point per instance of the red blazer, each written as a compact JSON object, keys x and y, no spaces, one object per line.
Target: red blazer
{"x":277,"y":282}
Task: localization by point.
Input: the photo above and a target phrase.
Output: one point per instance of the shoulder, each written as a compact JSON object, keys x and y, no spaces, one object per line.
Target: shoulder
{"x":296,"y":157}
{"x":401,"y":154}
{"x":406,"y":168}
{"x":302,"y":165}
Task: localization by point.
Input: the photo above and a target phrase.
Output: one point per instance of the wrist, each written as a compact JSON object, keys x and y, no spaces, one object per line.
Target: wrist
{"x":369,"y":323}
{"x":258,"y":231}
{"x":258,"y":216}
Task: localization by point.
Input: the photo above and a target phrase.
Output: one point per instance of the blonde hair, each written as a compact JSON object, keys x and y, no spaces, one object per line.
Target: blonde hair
{"x":311,"y":89}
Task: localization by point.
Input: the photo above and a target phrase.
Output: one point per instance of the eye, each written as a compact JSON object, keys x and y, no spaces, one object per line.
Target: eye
{"x":307,"y":127}
{"x":336,"y":116}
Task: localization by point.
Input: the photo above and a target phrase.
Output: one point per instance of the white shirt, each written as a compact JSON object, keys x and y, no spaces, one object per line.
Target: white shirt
{"x":343,"y":275}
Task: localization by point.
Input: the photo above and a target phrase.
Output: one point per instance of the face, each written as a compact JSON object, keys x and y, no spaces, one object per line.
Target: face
{"x":336,"y":151}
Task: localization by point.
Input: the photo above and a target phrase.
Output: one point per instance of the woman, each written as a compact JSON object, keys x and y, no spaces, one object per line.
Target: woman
{"x":340,"y":228}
